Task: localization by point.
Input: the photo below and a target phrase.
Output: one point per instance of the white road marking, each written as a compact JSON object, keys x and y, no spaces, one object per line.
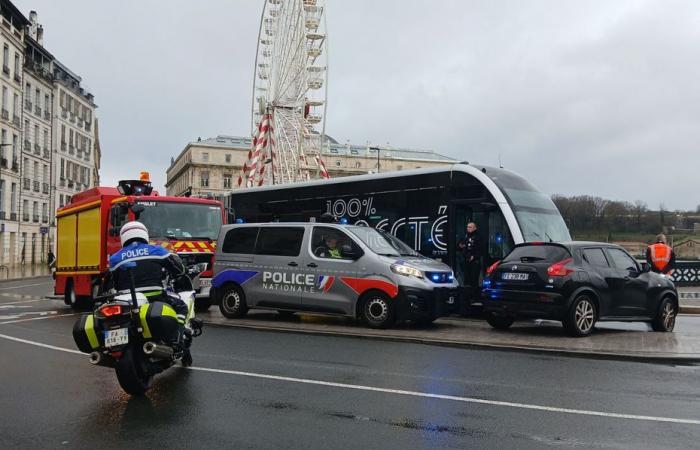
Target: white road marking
{"x":359,"y":387}
{"x":24,"y":286}
{"x":24,"y":301}
{"x":45,"y":315}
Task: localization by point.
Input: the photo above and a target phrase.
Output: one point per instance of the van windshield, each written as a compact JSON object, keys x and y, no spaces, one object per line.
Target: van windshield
{"x":381,"y":242}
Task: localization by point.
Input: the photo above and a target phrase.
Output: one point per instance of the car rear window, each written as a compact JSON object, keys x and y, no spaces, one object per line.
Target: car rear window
{"x":537,"y":253}
{"x":279,"y":241}
{"x":240,"y":240}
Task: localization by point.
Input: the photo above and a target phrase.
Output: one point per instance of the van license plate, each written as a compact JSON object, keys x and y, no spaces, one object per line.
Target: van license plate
{"x":119,"y":336}
{"x":515,"y":276}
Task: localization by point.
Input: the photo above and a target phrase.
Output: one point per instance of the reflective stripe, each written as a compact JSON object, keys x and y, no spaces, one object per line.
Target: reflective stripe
{"x":90,"y":331}
{"x":144,"y":323}
{"x":169,"y":311}
{"x":142,"y":289}
{"x":152,"y":293}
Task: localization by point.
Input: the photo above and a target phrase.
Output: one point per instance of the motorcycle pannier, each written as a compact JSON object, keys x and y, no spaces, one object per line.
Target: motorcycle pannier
{"x":159,"y":322}
{"x":86,"y":337}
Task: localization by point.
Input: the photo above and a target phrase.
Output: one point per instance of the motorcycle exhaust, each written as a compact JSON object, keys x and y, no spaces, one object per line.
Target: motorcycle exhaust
{"x":98,"y":359}
{"x":158,"y":351}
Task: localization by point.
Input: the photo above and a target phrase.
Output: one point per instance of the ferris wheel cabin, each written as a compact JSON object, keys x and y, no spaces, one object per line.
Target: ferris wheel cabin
{"x":426,"y":208}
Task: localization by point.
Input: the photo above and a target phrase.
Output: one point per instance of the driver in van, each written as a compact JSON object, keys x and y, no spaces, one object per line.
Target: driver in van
{"x":329,"y":248}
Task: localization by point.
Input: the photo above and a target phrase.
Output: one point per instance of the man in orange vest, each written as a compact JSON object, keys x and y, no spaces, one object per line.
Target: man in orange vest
{"x":660,"y":256}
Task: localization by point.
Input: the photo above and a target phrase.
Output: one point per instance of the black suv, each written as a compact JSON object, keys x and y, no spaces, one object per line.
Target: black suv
{"x":577,"y":283}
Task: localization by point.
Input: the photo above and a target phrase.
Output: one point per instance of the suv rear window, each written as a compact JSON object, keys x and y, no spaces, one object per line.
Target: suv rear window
{"x":537,"y":253}
{"x":279,"y":241}
{"x":240,"y":240}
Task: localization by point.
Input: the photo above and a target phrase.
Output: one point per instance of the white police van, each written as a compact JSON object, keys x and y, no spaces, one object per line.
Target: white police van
{"x":329,"y":269}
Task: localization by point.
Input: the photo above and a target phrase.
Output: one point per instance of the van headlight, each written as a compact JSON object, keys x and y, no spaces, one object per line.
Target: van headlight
{"x":407,"y":271}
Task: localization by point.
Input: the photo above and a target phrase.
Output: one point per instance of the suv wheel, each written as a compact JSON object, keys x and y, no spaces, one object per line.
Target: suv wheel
{"x":499,"y":322}
{"x":232,"y":302}
{"x":665,"y":319}
{"x":378,"y":311}
{"x":581,"y":317}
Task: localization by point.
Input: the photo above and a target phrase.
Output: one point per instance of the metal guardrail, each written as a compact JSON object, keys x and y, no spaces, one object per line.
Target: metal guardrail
{"x":686,"y":273}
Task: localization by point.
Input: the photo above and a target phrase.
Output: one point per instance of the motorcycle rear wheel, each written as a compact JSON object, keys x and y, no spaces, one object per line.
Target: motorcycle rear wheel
{"x":132,"y":372}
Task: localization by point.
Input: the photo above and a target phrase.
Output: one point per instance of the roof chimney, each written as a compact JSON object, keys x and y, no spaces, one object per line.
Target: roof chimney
{"x":36,"y":31}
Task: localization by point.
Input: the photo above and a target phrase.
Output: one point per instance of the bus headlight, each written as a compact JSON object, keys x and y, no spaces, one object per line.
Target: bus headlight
{"x":407,"y":271}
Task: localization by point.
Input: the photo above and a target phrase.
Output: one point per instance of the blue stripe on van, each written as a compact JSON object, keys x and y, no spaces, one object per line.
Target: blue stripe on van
{"x":237,"y":276}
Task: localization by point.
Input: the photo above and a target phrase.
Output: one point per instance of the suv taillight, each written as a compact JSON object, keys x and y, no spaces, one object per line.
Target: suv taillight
{"x":559,"y":269}
{"x":492,"y":267}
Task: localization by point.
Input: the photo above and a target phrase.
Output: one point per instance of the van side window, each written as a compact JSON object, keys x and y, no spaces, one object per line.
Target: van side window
{"x":328,"y":243}
{"x":240,"y":240}
{"x":279,"y":241}
{"x":595,"y":257}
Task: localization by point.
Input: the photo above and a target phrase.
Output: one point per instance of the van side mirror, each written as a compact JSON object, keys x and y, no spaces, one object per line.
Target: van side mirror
{"x":349,"y":252}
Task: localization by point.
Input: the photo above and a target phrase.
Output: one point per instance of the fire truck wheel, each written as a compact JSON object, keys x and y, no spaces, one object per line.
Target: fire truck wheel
{"x":76,"y":302}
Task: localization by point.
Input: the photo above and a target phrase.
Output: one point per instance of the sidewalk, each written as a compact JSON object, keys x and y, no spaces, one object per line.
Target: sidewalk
{"x":23,"y":271}
{"x":689,"y":299}
{"x":608,"y":340}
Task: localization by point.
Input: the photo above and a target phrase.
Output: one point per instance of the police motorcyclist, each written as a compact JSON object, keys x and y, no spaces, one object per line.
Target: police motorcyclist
{"x":152,"y":268}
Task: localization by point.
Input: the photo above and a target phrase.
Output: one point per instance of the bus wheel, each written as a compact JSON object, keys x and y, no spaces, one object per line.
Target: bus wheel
{"x":378,"y":310}
{"x":232,"y":302}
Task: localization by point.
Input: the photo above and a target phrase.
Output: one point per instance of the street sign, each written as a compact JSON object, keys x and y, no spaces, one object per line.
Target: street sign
{"x":44,"y":230}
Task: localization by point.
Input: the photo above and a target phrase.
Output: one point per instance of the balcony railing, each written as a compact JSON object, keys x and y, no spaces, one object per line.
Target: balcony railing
{"x":35,"y":218}
{"x":63,"y":146}
{"x":5,"y":69}
{"x":26,"y":184}
{"x":27,"y":105}
{"x":47,"y":154}
{"x":45,"y":219}
{"x":13,"y":216}
{"x":72,"y":118}
{"x":64,"y":113}
{"x":5,"y":114}
{"x":15,"y":120}
{"x":15,"y":166}
{"x":47,"y":114}
{"x":88,"y":126}
{"x":71,"y":149}
{"x":2,"y":215}
{"x":17,"y":77}
{"x":3,"y":163}
{"x":37,"y":110}
{"x":36,"y":186}
{"x":70,"y":183}
{"x":63,"y":182}
{"x":27,"y":144}
{"x":25,"y":217}
{"x":37,"y":148}
{"x":45,"y":188}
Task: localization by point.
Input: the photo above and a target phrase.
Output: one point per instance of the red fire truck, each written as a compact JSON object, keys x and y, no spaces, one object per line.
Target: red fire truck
{"x":88,"y":232}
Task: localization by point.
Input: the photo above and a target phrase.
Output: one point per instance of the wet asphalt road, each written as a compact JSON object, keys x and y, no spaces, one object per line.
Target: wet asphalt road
{"x":376,"y":394}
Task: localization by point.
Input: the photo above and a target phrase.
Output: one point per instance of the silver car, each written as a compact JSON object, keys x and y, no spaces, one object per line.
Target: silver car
{"x":329,"y":269}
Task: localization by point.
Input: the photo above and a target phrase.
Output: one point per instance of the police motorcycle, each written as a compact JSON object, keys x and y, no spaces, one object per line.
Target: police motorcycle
{"x":137,"y":338}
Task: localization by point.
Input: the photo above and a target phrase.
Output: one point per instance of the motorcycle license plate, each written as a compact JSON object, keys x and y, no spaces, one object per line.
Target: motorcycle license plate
{"x":120,"y":336}
{"x":515,"y":276}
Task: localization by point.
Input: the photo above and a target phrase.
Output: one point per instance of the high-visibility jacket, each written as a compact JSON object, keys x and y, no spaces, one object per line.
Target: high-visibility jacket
{"x":661,"y":257}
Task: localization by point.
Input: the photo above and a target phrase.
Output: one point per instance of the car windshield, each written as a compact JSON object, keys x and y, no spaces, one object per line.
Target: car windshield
{"x":381,"y":242}
{"x":181,"y":220}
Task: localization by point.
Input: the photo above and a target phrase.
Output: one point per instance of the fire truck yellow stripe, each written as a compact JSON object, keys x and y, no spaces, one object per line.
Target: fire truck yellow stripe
{"x":77,"y":208}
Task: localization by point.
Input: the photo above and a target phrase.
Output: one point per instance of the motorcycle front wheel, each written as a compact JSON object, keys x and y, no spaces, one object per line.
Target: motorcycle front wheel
{"x":132,"y":371}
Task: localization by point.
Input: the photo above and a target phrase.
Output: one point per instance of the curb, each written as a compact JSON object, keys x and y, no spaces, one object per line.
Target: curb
{"x":29,"y":278}
{"x":652,"y":358}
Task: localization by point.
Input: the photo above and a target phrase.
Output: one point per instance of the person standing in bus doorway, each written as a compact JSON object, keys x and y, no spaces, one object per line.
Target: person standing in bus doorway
{"x":660,"y":256}
{"x":471,"y":252}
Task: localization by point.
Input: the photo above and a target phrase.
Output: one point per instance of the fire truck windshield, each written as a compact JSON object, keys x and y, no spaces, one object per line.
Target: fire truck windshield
{"x":181,"y":220}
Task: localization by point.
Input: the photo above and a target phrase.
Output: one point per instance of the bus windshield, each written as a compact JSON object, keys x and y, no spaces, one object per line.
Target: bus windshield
{"x":381,"y":242}
{"x":175,"y":220}
{"x":537,"y":216}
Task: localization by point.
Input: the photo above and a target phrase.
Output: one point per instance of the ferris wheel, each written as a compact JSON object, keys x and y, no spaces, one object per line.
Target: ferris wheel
{"x":289,"y":94}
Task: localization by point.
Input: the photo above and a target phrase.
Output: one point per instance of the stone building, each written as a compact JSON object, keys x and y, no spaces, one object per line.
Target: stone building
{"x":48,"y":150}
{"x":212,"y":166}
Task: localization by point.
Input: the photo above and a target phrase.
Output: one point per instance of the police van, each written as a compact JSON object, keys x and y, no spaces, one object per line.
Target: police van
{"x":353,"y":271}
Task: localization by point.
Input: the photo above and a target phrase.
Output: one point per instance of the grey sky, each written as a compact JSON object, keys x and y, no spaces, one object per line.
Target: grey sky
{"x":579,"y":97}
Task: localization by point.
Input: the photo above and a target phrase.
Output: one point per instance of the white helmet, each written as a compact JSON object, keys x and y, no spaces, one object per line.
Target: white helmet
{"x":133,"y":230}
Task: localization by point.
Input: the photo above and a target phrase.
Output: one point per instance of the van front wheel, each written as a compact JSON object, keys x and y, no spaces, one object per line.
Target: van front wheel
{"x":378,"y":311}
{"x":232,"y":302}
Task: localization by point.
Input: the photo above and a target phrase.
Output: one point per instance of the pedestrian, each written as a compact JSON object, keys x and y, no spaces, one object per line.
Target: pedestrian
{"x":471,"y":254}
{"x":51,"y":259}
{"x":660,"y":256}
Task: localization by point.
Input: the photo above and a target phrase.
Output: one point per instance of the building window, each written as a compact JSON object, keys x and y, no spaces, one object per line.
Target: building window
{"x":63,"y":165}
{"x":227,"y":180}
{"x":6,"y":59}
{"x":14,"y":149}
{"x":4,"y":99}
{"x":37,"y":97}
{"x":17,"y":64}
{"x":228,"y":157}
{"x":205,"y":157}
{"x":2,"y":195}
{"x":3,"y":139}
{"x":13,"y":198}
{"x":47,"y":104}
{"x":204,"y":179}
{"x":63,"y":134}
{"x":15,"y":106}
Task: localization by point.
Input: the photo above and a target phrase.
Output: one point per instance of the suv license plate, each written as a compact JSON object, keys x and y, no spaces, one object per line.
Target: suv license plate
{"x":515,"y":276}
{"x":119,"y":336}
